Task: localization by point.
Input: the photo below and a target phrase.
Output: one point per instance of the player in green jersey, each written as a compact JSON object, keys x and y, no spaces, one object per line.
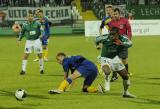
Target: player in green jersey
{"x":33,"y":31}
{"x":110,"y":60}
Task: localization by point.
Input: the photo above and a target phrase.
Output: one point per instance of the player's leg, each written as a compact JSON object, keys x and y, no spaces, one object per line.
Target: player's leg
{"x":88,"y":82}
{"x":24,"y":63}
{"x":45,"y":52}
{"x":27,"y":51}
{"x":126,"y":83}
{"x":107,"y":70}
{"x":125,"y":62}
{"x":123,"y":55}
{"x":38,"y":51}
{"x":41,"y":63}
{"x":65,"y":83}
{"x":45,"y":47}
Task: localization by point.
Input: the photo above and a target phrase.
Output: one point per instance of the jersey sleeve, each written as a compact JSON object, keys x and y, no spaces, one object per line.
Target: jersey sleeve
{"x":126,"y":42}
{"x":105,"y":22}
{"x":66,"y":67}
{"x":100,"y":39}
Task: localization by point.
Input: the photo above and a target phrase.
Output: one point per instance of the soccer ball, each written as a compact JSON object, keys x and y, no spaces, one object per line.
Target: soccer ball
{"x":20,"y":94}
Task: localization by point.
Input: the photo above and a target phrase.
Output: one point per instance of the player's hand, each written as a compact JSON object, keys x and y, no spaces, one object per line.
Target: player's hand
{"x":117,"y":42}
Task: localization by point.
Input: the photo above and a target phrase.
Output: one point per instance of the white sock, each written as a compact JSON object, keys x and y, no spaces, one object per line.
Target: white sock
{"x":107,"y":78}
{"x":24,"y":64}
{"x":107,"y":83}
{"x":126,"y":84}
{"x":41,"y":64}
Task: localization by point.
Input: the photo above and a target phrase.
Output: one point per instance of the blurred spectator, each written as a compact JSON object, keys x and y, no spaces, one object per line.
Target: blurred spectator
{"x":39,"y":3}
{"x":153,"y":2}
{"x":141,"y":2}
{"x":130,"y":16}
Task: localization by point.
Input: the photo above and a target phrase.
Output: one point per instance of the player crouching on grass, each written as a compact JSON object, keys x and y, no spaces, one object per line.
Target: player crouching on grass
{"x":109,"y":59}
{"x":79,"y":66}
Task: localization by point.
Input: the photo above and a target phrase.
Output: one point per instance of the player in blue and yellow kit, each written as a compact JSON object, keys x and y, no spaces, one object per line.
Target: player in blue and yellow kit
{"x":79,"y":66}
{"x":46,"y":24}
{"x":107,"y":19}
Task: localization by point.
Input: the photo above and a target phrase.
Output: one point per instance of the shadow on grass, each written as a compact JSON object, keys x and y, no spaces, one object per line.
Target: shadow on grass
{"x":9,"y":93}
{"x":6,"y":93}
{"x":56,"y":75}
{"x":14,"y":108}
{"x":38,"y":96}
{"x":154,"y":78}
{"x":145,"y":101}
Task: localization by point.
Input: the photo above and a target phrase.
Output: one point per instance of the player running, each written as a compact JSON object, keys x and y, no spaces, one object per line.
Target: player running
{"x":33,"y":31}
{"x":46,"y":24}
{"x":110,"y":60}
{"x":79,"y":66}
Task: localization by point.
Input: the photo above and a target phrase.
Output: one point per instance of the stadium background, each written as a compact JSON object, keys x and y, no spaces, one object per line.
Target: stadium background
{"x":69,"y":36}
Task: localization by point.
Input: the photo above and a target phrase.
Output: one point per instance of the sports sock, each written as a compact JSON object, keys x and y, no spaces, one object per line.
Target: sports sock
{"x":107,"y":78}
{"x":41,"y":64}
{"x":126,"y":84}
{"x":24,"y":64}
{"x":45,"y":53}
{"x":64,"y":84}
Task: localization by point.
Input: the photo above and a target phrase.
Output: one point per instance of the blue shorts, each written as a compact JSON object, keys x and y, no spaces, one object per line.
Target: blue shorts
{"x":89,"y":71}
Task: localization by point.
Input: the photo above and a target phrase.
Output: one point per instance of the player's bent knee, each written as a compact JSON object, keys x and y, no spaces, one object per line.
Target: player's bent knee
{"x":106,"y":69}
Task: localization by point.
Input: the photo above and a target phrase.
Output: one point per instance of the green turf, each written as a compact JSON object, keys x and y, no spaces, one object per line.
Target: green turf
{"x":144,"y":63}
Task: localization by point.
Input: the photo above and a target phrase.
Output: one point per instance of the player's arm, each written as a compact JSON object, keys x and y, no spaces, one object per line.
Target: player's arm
{"x":21,"y":34}
{"x":126,"y":42}
{"x":66,"y":70}
{"x":99,"y":41}
{"x":101,"y":27}
{"x":65,"y":75}
{"x":129,"y":31}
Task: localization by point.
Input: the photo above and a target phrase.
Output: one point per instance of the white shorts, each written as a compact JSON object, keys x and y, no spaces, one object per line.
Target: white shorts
{"x":115,"y":64}
{"x":35,"y":45}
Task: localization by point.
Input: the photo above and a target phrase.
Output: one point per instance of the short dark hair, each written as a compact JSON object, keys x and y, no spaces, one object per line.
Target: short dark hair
{"x":117,"y":9}
{"x":40,"y":10}
{"x":61,"y":54}
{"x":30,"y":12}
{"x":109,"y":6}
{"x":114,"y":29}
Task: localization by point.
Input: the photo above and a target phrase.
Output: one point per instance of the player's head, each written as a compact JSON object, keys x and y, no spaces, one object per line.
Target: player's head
{"x":39,"y":13}
{"x":60,"y":56}
{"x":30,"y":16}
{"x":117,"y":13}
{"x":109,"y":10}
{"x":114,"y":33}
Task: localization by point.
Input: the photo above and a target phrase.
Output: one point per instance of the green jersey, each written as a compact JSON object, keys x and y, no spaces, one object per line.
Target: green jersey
{"x":110,"y":49}
{"x":32,"y":30}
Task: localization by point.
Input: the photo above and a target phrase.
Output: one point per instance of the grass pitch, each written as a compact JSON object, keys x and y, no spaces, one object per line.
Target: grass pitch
{"x":144,"y":63}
